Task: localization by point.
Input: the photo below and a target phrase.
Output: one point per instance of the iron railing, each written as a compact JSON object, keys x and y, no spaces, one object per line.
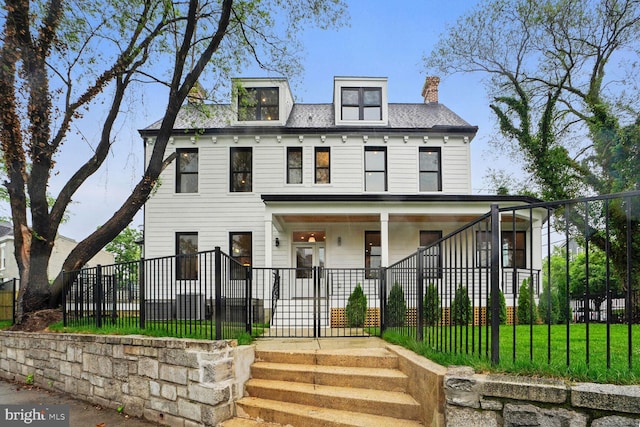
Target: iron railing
{"x":449,"y":286}
{"x":201,"y":295}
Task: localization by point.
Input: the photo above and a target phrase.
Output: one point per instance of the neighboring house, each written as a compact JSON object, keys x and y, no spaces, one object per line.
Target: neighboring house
{"x":62,"y":248}
{"x":356,"y":183}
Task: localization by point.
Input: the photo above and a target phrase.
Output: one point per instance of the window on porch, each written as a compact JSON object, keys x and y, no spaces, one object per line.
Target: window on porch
{"x":433,"y":257}
{"x":372,"y":253}
{"x":513,"y":249}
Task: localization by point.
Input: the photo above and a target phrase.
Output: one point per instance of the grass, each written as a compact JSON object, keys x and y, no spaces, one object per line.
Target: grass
{"x":4,"y":324}
{"x":531,"y":351}
{"x":175,"y":329}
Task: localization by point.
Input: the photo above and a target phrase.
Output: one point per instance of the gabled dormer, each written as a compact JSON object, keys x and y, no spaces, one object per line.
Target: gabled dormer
{"x":261,"y":101}
{"x":360,"y":101}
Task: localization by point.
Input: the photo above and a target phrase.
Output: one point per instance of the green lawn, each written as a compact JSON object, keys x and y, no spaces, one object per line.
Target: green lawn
{"x":531,"y":355}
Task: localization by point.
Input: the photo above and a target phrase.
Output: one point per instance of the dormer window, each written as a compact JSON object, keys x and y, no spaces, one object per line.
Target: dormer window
{"x":259,"y":104}
{"x":361,"y":103}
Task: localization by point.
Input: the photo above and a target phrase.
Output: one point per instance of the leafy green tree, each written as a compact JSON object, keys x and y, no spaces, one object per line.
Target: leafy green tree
{"x":549,"y":306}
{"x":461,"y":313}
{"x":503,"y":308}
{"x":556,"y":265}
{"x":527,"y":312}
{"x":356,"y":310}
{"x":432,"y":306}
{"x":60,"y":60}
{"x":396,"y":310}
{"x":126,"y":245}
{"x":561,"y":110}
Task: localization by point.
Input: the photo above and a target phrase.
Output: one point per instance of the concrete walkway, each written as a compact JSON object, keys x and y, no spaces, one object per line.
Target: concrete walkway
{"x":318,"y":343}
{"x":81,"y":414}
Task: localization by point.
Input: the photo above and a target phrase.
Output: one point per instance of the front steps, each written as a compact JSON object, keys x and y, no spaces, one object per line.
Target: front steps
{"x":328,"y":388}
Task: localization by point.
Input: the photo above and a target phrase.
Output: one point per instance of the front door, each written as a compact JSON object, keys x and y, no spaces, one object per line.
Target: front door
{"x":308,"y":251}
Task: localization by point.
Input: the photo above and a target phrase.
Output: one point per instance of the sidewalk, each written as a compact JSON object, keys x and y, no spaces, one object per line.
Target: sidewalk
{"x":81,"y":414}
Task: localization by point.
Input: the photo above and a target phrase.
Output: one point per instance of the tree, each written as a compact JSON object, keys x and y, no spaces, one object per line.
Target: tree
{"x":356,"y":309}
{"x":575,"y":127}
{"x":461,"y":307}
{"x":549,"y":306}
{"x":554,"y":276}
{"x":503,"y":308}
{"x":432,"y":306}
{"x":527,"y":313}
{"x":126,"y":245}
{"x":396,"y":310}
{"x":61,"y":60}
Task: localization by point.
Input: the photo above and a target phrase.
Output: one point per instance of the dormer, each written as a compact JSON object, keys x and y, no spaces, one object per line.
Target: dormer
{"x":360,"y":101}
{"x":261,"y":101}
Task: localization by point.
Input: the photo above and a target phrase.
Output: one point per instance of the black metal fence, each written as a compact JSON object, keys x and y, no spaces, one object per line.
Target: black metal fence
{"x":201,"y":295}
{"x":582,"y":307}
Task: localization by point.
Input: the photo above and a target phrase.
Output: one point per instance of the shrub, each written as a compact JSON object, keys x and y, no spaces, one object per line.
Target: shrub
{"x":356,"y":308}
{"x":550,"y":314}
{"x":503,"y":308}
{"x":527,"y":312}
{"x":461,"y":307}
{"x":396,"y":310}
{"x":432,"y":306}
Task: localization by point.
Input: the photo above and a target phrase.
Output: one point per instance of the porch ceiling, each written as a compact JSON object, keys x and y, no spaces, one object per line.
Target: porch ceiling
{"x":319,"y":218}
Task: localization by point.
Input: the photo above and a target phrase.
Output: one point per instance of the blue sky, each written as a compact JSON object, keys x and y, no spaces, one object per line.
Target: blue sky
{"x":385,"y":39}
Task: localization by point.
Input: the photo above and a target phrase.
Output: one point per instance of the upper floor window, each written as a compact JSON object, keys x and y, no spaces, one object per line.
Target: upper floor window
{"x":186,"y":254}
{"x":187,"y":170}
{"x":258,"y":104}
{"x":430,"y":171}
{"x":361,"y":103}
{"x":294,"y":165}
{"x":241,"y":167}
{"x":323,"y":163}
{"x":241,"y":252}
{"x":375,"y":169}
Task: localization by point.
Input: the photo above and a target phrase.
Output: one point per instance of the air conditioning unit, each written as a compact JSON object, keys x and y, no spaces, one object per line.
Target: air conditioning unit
{"x":190,"y":307}
{"x":159,"y":309}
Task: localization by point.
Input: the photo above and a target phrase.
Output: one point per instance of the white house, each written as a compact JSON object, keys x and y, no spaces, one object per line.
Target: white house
{"x":354,"y":183}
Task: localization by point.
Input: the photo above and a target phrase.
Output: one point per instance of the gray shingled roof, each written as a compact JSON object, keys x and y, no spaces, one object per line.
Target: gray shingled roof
{"x":401,"y":116}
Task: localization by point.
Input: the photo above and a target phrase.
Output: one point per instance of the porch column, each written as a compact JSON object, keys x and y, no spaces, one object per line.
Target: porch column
{"x":384,"y":239}
{"x":268,"y":239}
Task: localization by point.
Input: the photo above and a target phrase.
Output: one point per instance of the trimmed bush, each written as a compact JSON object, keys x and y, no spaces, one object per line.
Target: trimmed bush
{"x":356,"y":308}
{"x":527,"y":311}
{"x":396,"y":310}
{"x":503,"y":308}
{"x":432,"y":306}
{"x":461,"y":307}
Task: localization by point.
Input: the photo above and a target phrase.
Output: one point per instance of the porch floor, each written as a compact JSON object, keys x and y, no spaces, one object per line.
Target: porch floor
{"x":332,"y":333}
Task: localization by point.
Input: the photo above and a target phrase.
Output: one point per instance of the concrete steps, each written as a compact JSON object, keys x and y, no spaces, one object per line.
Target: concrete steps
{"x":331,"y":388}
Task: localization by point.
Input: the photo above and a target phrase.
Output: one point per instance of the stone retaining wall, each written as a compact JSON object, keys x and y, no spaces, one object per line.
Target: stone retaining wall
{"x":176,"y":382}
{"x":500,"y":400}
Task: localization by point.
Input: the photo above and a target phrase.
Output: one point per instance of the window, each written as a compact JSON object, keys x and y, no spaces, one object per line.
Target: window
{"x":432,"y":256}
{"x":323,"y":163}
{"x":375,"y":169}
{"x":187,"y":170}
{"x":513,"y":249}
{"x":241,"y":169}
{"x":241,"y":252}
{"x":372,"y":253}
{"x":430,"y":172}
{"x":361,"y":103}
{"x":258,"y":104}
{"x":294,"y":165}
{"x":187,"y":260}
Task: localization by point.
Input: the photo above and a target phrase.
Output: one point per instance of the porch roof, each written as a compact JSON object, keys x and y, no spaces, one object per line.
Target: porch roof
{"x":395,"y":198}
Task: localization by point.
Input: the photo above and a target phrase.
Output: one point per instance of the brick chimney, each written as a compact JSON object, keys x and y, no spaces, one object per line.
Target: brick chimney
{"x":430,"y":89}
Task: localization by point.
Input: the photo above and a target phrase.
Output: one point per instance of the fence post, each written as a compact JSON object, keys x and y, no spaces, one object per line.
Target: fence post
{"x":419,"y":294}
{"x":248,"y":299}
{"x":13,"y":303}
{"x":218,"y":291}
{"x":383,"y":299}
{"x":495,"y":284}
{"x":142,"y":309}
{"x":98,"y":297}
